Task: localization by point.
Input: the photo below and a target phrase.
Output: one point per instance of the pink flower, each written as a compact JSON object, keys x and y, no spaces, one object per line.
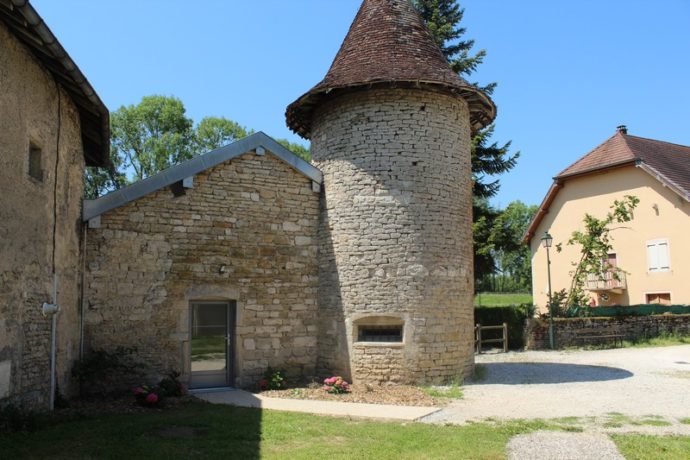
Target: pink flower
{"x":152,"y":398}
{"x":263,"y":384}
{"x":138,"y":390}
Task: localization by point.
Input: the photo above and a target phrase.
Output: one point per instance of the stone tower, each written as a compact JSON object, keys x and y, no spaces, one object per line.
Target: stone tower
{"x":390,"y":128}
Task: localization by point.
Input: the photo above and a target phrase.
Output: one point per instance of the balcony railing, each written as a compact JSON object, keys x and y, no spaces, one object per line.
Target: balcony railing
{"x":607,"y":281}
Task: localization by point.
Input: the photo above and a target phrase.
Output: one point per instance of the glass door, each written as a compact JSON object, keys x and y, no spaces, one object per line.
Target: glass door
{"x":212,"y":340}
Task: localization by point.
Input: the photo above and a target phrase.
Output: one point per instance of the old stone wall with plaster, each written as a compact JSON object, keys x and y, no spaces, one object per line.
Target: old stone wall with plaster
{"x":255,"y":217}
{"x":35,"y":112}
{"x":395,"y":236}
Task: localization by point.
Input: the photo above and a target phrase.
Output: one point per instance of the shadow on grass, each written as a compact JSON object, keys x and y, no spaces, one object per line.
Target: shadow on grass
{"x":544,"y":373}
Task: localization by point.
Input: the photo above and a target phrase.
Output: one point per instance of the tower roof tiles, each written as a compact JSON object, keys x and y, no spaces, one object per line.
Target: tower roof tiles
{"x":387,"y":45}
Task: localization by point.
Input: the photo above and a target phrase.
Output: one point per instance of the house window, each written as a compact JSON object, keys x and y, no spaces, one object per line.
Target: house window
{"x":35,"y":166}
{"x":380,"y":333}
{"x":662,"y":298}
{"x":657,"y":256}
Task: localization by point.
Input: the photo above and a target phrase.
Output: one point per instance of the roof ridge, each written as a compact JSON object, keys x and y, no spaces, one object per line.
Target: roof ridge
{"x":193,"y":166}
{"x":592,"y":151}
{"x":658,"y":140}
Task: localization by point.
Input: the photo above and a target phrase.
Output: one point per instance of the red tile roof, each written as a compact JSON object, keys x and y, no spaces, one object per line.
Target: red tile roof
{"x":668,"y":163}
{"x":388,"y":43}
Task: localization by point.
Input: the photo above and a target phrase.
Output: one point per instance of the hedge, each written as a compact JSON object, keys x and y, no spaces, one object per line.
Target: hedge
{"x":627,"y":310}
{"x":514,"y":315}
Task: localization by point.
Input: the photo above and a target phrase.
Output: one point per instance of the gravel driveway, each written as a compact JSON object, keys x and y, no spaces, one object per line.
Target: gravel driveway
{"x":550,"y":384}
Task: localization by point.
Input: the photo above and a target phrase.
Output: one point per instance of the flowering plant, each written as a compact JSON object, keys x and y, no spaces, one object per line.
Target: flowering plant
{"x":272,"y":380}
{"x":147,"y":396}
{"x":336,"y":385}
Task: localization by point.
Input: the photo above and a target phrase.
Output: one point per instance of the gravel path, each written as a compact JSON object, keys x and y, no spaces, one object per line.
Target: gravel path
{"x":554,"y":445}
{"x":636,"y":382}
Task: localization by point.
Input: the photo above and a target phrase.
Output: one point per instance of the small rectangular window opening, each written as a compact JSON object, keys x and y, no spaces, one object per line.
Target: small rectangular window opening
{"x":35,"y":166}
{"x":662,"y":298}
{"x":380,"y":333}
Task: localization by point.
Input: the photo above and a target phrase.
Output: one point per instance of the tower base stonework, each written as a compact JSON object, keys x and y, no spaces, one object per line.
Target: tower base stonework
{"x":395,"y":236}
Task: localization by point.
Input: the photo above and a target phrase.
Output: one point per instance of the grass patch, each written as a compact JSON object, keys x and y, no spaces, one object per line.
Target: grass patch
{"x":199,"y":430}
{"x":664,"y":340}
{"x":685,"y":421}
{"x":643,"y":447}
{"x":452,"y":391}
{"x":617,"y":420}
{"x":501,"y":299}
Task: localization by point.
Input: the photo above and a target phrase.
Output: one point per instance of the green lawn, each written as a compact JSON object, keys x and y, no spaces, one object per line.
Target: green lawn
{"x":501,"y":299}
{"x":644,"y":447}
{"x":198,"y":430}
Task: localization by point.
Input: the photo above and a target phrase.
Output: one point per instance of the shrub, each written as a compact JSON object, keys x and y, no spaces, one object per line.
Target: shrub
{"x":15,"y":418}
{"x":171,"y":385}
{"x":100,"y":370}
{"x":274,"y":379}
{"x":336,"y":385}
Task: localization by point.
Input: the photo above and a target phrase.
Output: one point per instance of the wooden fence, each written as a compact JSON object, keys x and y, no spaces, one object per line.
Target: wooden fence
{"x":479,"y":341}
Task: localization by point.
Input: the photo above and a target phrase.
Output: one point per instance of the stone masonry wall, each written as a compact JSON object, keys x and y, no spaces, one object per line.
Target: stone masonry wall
{"x":256,"y":217}
{"x":395,"y":235}
{"x":34,"y":111}
{"x":632,"y":327}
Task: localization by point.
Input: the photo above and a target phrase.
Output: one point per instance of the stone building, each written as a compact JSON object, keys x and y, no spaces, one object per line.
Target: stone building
{"x":390,"y":128}
{"x":209,"y":267}
{"x":52,"y":123}
{"x":245,"y":258}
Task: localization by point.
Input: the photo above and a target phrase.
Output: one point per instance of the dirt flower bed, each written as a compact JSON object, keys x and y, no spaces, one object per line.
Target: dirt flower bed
{"x":398,"y":395}
{"x":117,"y":405}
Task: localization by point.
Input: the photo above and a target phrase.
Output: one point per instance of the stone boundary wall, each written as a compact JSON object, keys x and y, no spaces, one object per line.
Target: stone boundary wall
{"x":632,"y":327}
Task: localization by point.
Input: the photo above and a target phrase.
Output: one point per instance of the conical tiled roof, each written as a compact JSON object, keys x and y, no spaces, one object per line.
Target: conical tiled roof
{"x":388,"y":44}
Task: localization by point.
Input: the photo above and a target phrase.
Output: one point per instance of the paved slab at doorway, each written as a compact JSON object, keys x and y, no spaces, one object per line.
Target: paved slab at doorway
{"x":377,"y":411}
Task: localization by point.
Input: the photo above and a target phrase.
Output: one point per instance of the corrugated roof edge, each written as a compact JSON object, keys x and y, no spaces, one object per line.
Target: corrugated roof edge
{"x":50,"y":48}
{"x":94,"y":208}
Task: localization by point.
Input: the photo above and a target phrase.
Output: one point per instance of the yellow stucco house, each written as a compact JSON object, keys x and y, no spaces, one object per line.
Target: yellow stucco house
{"x":652,"y":252}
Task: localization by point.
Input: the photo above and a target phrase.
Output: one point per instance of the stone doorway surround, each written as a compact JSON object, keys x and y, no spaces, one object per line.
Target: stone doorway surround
{"x":206,"y":293}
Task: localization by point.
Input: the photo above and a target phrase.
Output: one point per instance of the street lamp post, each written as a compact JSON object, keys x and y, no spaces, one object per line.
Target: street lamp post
{"x":546,"y":241}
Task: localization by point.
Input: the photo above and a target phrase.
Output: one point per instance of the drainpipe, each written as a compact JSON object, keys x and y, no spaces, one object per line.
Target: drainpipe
{"x":52,"y":309}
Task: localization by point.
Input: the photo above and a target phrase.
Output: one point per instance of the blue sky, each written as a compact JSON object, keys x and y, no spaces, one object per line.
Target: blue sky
{"x":568,"y":72}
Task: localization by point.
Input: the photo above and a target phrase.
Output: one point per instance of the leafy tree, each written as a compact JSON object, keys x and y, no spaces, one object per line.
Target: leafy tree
{"x":151,"y":136}
{"x":298,"y":149}
{"x":215,"y":132}
{"x":499,"y":249}
{"x":443,"y":17}
{"x":595,"y":246}
{"x":513,"y":258}
{"x":155,"y":134}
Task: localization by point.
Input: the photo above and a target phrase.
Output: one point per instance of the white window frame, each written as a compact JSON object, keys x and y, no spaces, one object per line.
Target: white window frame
{"x":656,"y":243}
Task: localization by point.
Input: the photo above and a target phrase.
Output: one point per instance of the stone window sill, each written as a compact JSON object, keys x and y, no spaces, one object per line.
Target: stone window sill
{"x":379,"y":344}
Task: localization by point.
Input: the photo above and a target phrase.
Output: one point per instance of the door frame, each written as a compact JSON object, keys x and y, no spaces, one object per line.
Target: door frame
{"x":231,"y":337}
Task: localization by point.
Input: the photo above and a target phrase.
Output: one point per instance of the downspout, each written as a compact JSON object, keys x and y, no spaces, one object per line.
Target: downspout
{"x":52,"y":308}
